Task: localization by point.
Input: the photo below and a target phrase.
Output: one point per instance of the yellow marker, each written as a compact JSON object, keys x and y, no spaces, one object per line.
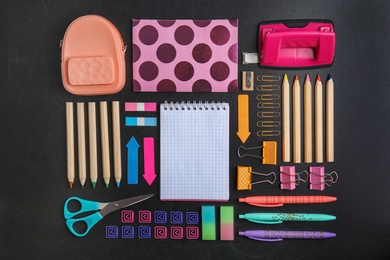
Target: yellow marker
{"x":243,"y":117}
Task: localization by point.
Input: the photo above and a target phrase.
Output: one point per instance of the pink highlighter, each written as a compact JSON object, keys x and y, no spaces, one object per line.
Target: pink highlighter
{"x":296,"y":44}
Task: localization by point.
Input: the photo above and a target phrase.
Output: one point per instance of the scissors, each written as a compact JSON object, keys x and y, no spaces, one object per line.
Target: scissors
{"x":102,"y":209}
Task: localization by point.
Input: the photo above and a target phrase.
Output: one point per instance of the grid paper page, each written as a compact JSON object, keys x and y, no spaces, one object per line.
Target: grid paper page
{"x":194,"y":151}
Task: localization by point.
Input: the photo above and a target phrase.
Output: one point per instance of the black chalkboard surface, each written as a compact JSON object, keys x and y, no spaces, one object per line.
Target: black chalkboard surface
{"x":33,"y":183}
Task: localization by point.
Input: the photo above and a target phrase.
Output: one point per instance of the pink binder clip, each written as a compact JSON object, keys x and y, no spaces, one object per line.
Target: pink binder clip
{"x":296,"y":43}
{"x":289,"y":179}
{"x":318,"y":178}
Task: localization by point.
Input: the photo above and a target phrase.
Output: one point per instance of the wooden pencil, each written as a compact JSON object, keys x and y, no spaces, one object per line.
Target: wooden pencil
{"x":286,"y":156}
{"x":308,"y":121}
{"x":116,"y":132}
{"x":329,"y":119}
{"x":319,"y":131}
{"x":105,"y":143}
{"x":70,"y":142}
{"x":81,"y":143}
{"x":93,"y":171}
{"x":297,"y":140}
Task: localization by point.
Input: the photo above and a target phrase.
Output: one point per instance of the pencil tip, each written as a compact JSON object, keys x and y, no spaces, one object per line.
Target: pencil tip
{"x":329,"y":77}
{"x":296,"y":77}
{"x":285,"y":77}
{"x":82,"y":186}
{"x":318,"y":77}
{"x":118,"y":184}
{"x":94,"y":185}
{"x":71,"y":184}
{"x":307,"y":77}
{"x":106,"y":185}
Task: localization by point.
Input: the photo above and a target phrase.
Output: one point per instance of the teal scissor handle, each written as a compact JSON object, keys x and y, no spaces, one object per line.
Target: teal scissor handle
{"x":86,"y":206}
{"x":90,"y":221}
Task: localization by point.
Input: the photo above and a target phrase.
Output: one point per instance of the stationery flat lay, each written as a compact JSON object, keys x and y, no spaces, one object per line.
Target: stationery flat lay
{"x":194,"y":139}
{"x":194,"y":130}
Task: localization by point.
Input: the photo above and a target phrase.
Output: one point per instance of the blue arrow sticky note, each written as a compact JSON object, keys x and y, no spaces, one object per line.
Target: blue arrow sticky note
{"x":132,"y":161}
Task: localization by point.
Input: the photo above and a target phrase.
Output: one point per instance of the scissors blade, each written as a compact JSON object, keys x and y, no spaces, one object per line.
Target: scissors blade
{"x":119,"y":204}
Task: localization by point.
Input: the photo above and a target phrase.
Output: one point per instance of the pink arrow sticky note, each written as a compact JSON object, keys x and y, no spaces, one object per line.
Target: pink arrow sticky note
{"x":149,"y":172}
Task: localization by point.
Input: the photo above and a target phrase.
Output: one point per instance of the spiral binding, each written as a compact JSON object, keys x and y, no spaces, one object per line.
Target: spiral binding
{"x":194,"y":105}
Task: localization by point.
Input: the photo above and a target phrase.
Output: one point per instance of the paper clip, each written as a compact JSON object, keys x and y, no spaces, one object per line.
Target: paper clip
{"x":269,"y":78}
{"x":244,"y":178}
{"x":268,"y":123}
{"x":268,"y":133}
{"x":318,"y":177}
{"x":268,"y":114}
{"x":289,"y":179}
{"x":267,"y":87}
{"x":268,"y":149}
{"x":268,"y":96}
{"x":268,"y":105}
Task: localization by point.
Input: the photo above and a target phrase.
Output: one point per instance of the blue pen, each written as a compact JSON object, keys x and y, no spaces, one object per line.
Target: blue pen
{"x":278,"y":218}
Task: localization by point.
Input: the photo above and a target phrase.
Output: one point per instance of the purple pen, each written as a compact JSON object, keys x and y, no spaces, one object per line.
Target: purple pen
{"x":278,"y":235}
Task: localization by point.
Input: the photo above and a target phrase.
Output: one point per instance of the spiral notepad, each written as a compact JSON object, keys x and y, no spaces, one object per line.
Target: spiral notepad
{"x":194,"y":151}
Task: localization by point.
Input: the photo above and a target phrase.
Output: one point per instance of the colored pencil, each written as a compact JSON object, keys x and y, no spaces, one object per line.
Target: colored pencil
{"x":308,"y":121}
{"x":105,"y":142}
{"x":319,"y":131}
{"x":117,"y":142}
{"x":286,"y":157}
{"x":81,"y":143}
{"x":92,"y":143}
{"x":70,"y":142}
{"x":296,"y":121}
{"x":329,"y":119}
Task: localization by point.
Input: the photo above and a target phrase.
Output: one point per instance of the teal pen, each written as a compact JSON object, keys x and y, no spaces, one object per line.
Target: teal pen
{"x":278,"y":218}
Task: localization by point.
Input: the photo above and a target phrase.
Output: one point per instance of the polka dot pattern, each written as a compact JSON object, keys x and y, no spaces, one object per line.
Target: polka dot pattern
{"x":202,"y":53}
{"x":166,"y":53}
{"x":220,"y":35}
{"x":148,"y":35}
{"x":184,"y":35}
{"x":185,"y":55}
{"x":184,"y":71}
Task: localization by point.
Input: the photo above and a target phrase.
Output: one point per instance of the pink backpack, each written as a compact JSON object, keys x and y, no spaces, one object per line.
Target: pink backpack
{"x":93,"y":57}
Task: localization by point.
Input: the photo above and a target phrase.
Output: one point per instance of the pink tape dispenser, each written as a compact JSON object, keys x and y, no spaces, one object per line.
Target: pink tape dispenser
{"x":295,"y":44}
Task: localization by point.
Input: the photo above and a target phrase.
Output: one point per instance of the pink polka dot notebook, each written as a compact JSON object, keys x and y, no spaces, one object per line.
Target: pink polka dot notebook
{"x":185,"y":55}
